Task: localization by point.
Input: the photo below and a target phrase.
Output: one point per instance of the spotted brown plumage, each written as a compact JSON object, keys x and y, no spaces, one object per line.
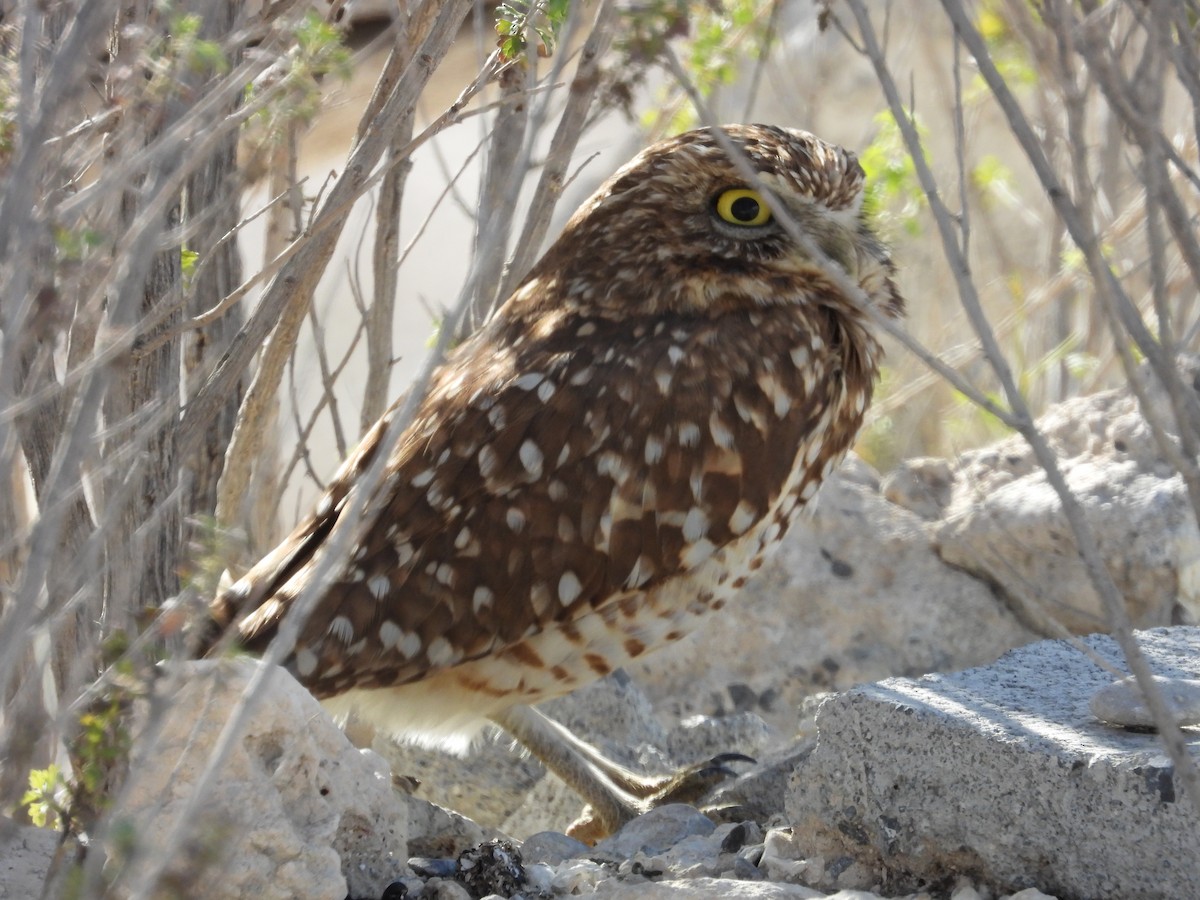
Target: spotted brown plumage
{"x":611,"y":456}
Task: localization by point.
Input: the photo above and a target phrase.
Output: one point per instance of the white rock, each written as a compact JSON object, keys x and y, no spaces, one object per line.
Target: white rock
{"x":579,"y":876}
{"x":784,"y":859}
{"x":1122,"y":703}
{"x":655,"y":832}
{"x":437,"y":832}
{"x":1005,"y":523}
{"x":552,"y":847}
{"x":296,"y":810}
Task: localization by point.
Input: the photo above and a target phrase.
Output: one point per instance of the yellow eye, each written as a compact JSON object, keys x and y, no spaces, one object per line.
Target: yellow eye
{"x":742,"y":206}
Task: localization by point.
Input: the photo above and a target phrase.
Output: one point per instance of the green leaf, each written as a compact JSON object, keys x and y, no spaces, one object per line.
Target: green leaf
{"x":893,"y":192}
{"x":41,"y":801}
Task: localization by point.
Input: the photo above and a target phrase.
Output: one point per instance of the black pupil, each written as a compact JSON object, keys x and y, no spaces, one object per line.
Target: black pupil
{"x":744,"y":209}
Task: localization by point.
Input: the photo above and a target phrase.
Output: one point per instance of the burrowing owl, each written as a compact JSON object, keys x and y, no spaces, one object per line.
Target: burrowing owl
{"x":605,"y":461}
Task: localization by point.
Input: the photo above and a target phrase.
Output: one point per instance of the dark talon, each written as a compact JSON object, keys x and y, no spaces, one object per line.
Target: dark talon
{"x":733,"y":757}
{"x":693,"y":783}
{"x":709,"y":772}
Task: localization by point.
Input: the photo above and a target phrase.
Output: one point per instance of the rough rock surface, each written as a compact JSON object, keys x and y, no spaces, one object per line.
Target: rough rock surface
{"x":1003,"y":774}
{"x":296,"y":812}
{"x":1004,"y":523}
{"x":25,"y":854}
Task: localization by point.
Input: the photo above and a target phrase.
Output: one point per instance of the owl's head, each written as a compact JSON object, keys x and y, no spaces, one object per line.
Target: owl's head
{"x":681,"y":228}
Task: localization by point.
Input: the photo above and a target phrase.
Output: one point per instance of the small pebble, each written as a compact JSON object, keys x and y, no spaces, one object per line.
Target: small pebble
{"x":539,"y":878}
{"x":752,"y":853}
{"x":745,"y":869}
{"x":553,"y":847}
{"x":734,"y":840}
{"x":433,"y":868}
{"x":580,"y":876}
{"x":655,"y":832}
{"x":1121,"y":702}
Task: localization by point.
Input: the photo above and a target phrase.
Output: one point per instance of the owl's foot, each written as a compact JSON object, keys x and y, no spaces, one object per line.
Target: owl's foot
{"x":614,"y":794}
{"x":639,"y":794}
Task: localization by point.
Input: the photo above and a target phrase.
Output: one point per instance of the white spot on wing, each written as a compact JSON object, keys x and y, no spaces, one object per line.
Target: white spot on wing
{"x":743,"y":517}
{"x":775,"y":393}
{"x":654,"y":450}
{"x":695,"y":525}
{"x":689,"y":435}
{"x":488,"y":461}
{"x":442,"y":653}
{"x":515,"y":518}
{"x":379,"y":585}
{"x":531,"y":458}
{"x":390,"y":634}
{"x":434,"y":496}
{"x":697,"y":553}
{"x":482,"y":597}
{"x":529,"y":381}
{"x":569,"y":588}
{"x":342,"y":629}
{"x":640,"y":573}
{"x":721,"y":434}
{"x":610,"y":464}
{"x":410,"y":644}
{"x":771,"y":534}
{"x":306,"y":662}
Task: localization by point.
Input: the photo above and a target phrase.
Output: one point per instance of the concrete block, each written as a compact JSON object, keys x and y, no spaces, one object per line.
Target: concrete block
{"x":1002,"y":774}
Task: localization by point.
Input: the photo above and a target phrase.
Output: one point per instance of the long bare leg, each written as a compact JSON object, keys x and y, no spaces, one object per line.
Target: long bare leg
{"x":614,"y":792}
